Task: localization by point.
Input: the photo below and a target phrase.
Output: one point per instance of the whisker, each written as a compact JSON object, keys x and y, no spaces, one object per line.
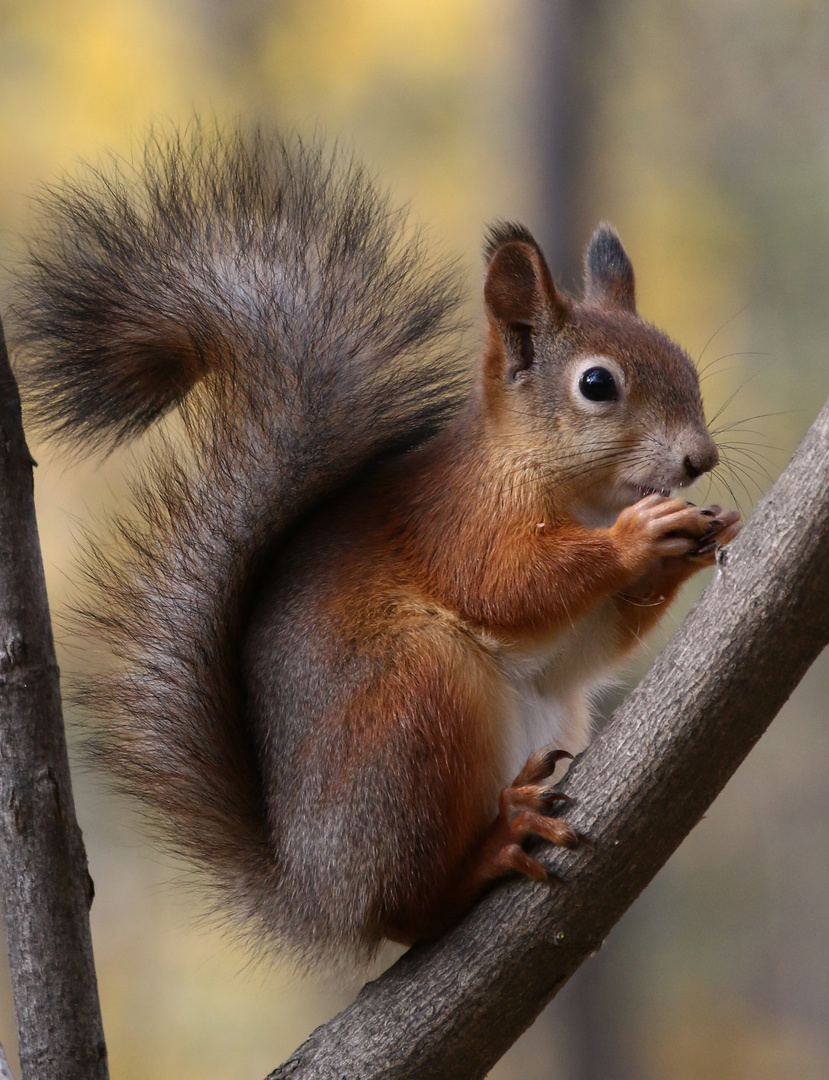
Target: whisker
{"x":740,"y":388}
{"x":749,"y":419}
{"x":744,"y":476}
{"x":751,"y":455}
{"x":747,"y":459}
{"x":703,"y":372}
{"x":718,"y":477}
{"x":719,"y":329}
{"x":754,"y":442}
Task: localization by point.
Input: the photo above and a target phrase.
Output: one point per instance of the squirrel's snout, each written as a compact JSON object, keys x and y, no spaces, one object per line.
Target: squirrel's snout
{"x":700,"y":458}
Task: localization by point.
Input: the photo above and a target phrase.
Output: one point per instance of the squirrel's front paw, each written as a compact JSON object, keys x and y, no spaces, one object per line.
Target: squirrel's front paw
{"x":523,"y":807}
{"x":722,"y":530}
{"x":660,"y":527}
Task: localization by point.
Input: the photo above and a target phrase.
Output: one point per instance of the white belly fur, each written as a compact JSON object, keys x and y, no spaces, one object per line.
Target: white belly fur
{"x":548,"y":689}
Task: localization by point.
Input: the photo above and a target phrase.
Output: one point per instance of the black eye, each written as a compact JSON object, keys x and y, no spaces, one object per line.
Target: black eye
{"x":597,"y":384}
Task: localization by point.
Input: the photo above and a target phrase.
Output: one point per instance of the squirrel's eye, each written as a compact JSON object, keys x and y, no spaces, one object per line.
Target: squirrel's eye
{"x":597,"y":384}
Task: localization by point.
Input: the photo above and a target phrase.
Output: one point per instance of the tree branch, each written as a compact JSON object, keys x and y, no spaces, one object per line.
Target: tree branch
{"x":5,"y":1071}
{"x":44,"y":879}
{"x":452,"y":1008}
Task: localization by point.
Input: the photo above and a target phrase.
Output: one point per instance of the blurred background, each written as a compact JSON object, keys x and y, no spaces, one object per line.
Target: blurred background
{"x":701,"y":130}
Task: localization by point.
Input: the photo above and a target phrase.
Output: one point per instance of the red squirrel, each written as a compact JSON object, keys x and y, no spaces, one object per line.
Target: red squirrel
{"x":362,"y":600}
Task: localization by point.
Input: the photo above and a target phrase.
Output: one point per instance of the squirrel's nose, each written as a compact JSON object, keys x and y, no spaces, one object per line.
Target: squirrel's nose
{"x":701,"y":458}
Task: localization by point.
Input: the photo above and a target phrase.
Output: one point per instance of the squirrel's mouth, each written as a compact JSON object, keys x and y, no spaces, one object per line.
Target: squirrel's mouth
{"x":635,"y":492}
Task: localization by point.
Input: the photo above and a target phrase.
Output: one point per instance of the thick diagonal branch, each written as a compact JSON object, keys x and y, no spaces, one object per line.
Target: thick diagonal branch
{"x":45,"y":884}
{"x":451,"y":1009}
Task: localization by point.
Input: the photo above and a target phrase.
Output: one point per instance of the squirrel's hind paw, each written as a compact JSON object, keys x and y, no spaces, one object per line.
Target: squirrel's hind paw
{"x":523,"y":809}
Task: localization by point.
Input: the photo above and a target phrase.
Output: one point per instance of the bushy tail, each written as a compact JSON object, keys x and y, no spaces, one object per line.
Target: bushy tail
{"x":268,"y":291}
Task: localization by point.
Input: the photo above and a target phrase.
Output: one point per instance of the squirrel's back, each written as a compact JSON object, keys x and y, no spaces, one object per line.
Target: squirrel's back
{"x":268,"y":290}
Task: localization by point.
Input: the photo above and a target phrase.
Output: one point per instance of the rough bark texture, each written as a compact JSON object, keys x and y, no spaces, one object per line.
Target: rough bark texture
{"x":451,"y":1009}
{"x":44,"y":879}
{"x":5,"y":1071}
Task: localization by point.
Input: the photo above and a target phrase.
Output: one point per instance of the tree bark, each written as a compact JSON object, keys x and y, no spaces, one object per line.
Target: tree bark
{"x":45,"y":883}
{"x":5,"y":1071}
{"x":451,"y":1008}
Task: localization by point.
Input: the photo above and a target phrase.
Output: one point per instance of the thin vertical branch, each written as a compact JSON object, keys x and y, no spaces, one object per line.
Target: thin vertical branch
{"x":45,"y":883}
{"x":5,"y":1071}
{"x":563,"y":124}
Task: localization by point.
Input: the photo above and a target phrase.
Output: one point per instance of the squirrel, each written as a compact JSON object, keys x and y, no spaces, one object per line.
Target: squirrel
{"x":364,"y":594}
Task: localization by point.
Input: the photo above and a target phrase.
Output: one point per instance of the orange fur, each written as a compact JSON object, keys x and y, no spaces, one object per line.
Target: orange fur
{"x":344,"y":626}
{"x":429,"y":569}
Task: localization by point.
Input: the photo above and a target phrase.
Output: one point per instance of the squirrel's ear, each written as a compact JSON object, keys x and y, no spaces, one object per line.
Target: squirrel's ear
{"x":608,"y":274}
{"x":519,"y":293}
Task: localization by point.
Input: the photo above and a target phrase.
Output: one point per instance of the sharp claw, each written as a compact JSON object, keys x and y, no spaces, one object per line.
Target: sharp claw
{"x":513,"y":857}
{"x":704,"y":549}
{"x":552,"y":757}
{"x":552,"y":796}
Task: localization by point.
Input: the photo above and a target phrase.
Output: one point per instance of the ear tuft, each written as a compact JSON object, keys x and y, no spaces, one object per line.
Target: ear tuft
{"x":519,"y":294}
{"x":503,"y":232}
{"x":608,"y":273}
{"x":519,"y":286}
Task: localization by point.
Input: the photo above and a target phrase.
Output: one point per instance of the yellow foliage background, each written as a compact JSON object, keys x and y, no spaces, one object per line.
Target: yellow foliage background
{"x":709,"y":154}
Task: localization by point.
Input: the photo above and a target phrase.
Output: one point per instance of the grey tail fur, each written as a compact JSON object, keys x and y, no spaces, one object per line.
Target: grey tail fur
{"x":268,"y":291}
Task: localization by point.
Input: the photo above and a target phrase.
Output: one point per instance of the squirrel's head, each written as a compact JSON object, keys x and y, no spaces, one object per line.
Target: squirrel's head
{"x":584,"y":393}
